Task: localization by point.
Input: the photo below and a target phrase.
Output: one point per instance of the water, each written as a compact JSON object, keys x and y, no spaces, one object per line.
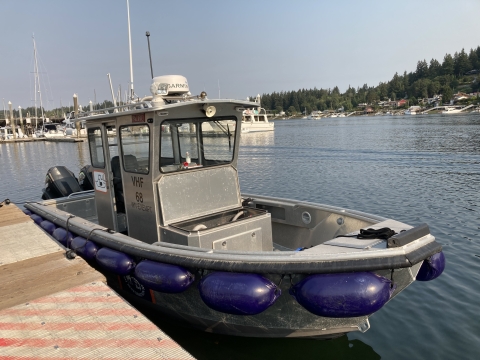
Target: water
{"x":413,"y":169}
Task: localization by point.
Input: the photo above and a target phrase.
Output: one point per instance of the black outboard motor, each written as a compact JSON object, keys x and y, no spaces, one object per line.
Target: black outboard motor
{"x":85,"y":178}
{"x":59,"y":182}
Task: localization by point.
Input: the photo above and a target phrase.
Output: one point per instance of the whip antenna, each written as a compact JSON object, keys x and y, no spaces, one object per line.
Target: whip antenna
{"x":132,"y":94}
{"x":147,"y":34}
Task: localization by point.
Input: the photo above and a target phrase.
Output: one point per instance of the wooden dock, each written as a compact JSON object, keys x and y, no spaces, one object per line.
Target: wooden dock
{"x":55,"y":308}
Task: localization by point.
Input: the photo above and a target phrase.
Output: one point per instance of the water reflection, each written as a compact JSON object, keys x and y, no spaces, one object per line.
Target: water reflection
{"x":258,"y":139}
{"x":210,"y":346}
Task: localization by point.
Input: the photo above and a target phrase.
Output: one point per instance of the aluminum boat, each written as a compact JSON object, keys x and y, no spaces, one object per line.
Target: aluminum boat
{"x":161,"y":214}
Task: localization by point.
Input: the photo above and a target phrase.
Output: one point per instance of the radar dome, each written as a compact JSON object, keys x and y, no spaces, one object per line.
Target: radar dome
{"x":169,"y":85}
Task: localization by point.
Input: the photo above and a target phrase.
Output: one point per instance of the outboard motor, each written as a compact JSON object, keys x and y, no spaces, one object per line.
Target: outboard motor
{"x":85,"y":178}
{"x":59,"y":182}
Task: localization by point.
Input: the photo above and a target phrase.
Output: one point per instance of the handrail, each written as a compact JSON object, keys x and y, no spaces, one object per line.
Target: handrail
{"x":78,"y":193}
{"x":144,"y":104}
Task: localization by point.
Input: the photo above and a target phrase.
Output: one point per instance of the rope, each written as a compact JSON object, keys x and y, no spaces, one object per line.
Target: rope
{"x":88,"y":237}
{"x":69,"y":254}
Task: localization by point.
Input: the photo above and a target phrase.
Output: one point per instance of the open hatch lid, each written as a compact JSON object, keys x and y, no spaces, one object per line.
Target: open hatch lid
{"x":193,"y":194}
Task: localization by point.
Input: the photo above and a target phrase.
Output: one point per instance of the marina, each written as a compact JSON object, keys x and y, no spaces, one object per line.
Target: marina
{"x":167,"y":223}
{"x":216,"y":260}
{"x":338,"y":150}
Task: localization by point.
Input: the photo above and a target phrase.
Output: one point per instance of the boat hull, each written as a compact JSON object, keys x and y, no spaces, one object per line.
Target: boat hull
{"x":285,"y":318}
{"x":279,"y":271}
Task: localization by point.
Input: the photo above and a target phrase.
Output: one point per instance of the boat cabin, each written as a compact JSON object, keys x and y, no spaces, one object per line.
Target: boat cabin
{"x":170,"y":172}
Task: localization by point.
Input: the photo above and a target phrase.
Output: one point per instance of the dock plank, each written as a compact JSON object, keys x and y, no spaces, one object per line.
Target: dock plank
{"x":30,"y":279}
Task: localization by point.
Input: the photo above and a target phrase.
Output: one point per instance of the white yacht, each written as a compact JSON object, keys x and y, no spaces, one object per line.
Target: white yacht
{"x":412,"y":110}
{"x":254,"y":120}
{"x":451,"y":110}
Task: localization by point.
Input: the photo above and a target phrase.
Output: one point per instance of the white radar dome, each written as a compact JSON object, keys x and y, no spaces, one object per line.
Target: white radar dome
{"x":169,"y":85}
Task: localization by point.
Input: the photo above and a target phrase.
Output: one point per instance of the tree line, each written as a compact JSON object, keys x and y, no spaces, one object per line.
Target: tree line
{"x":57,"y":113}
{"x":427,"y":80}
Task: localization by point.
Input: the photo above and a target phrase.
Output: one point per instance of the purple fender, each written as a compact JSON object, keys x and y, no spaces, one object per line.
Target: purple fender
{"x":343,"y":295}
{"x":36,"y":218}
{"x":48,"y":226}
{"x":238,"y":293}
{"x":163,"y":277}
{"x":60,"y":234}
{"x":85,"y":248}
{"x":432,"y":267}
{"x":115,"y":261}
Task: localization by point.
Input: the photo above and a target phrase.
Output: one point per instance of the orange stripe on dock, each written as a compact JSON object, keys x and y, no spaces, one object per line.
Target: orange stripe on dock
{"x":91,"y":287}
{"x":87,"y":343}
{"x":77,"y":299}
{"x":70,"y":312}
{"x":147,"y":326}
{"x":83,"y":358}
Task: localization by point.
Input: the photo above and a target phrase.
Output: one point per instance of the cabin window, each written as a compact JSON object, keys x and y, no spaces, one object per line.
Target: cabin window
{"x":186,"y":145}
{"x":218,"y":141}
{"x":96,"y":147}
{"x":135,"y":142}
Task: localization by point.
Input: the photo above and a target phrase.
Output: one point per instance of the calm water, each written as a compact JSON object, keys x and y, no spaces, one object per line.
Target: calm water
{"x":414,"y":169}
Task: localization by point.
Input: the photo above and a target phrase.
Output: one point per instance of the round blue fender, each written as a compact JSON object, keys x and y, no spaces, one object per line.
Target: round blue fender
{"x":36,"y":218}
{"x":27,"y":212}
{"x":163,"y":277}
{"x":60,"y":234}
{"x":48,"y":226}
{"x":343,"y":295}
{"x":237,"y":293}
{"x":115,"y":261}
{"x":85,"y":248}
{"x":432,"y":267}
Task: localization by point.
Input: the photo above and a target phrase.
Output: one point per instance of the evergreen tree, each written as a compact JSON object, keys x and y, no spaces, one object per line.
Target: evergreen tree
{"x":448,"y":66}
{"x":435,"y":69}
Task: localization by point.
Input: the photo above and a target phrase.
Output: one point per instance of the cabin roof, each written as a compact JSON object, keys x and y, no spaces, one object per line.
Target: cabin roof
{"x":149,"y":106}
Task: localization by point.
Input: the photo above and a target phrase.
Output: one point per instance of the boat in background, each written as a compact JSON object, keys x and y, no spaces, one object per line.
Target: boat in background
{"x":256,"y":119}
{"x":6,"y":133}
{"x":451,"y":110}
{"x":412,"y":110}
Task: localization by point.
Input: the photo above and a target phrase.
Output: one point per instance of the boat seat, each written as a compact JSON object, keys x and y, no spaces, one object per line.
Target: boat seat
{"x":117,"y":184}
{"x":130,"y":163}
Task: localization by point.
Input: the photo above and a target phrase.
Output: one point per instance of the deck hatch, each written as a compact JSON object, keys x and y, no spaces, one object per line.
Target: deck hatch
{"x":197,"y":193}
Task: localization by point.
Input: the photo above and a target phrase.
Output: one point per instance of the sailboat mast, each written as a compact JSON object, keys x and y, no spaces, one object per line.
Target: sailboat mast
{"x":130,"y":50}
{"x":35,"y":78}
{"x":4,"y":112}
{"x":39,"y":87}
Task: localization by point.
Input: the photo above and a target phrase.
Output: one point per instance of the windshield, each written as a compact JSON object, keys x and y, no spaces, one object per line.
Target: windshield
{"x":189,"y":144}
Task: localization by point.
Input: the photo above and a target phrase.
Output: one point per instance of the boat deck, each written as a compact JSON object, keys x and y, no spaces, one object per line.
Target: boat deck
{"x":51,"y":307}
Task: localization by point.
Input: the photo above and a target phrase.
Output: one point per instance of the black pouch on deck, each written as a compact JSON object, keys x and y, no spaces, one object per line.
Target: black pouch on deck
{"x":383,"y":233}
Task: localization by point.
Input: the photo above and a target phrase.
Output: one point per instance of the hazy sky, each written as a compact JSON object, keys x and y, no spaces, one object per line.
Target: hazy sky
{"x":249,"y":47}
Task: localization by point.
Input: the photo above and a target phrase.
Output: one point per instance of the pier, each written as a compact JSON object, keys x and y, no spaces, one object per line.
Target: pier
{"x":52,"y":307}
{"x":443,"y":107}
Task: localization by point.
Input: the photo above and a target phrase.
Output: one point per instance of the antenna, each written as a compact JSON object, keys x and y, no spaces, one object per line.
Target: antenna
{"x":132,"y":96}
{"x":39,"y":87}
{"x":147,"y":34}
{"x":111,"y":89}
{"x":219,"y":88}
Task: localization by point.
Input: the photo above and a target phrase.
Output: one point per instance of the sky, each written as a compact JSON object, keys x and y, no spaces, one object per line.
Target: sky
{"x":235,"y":48}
